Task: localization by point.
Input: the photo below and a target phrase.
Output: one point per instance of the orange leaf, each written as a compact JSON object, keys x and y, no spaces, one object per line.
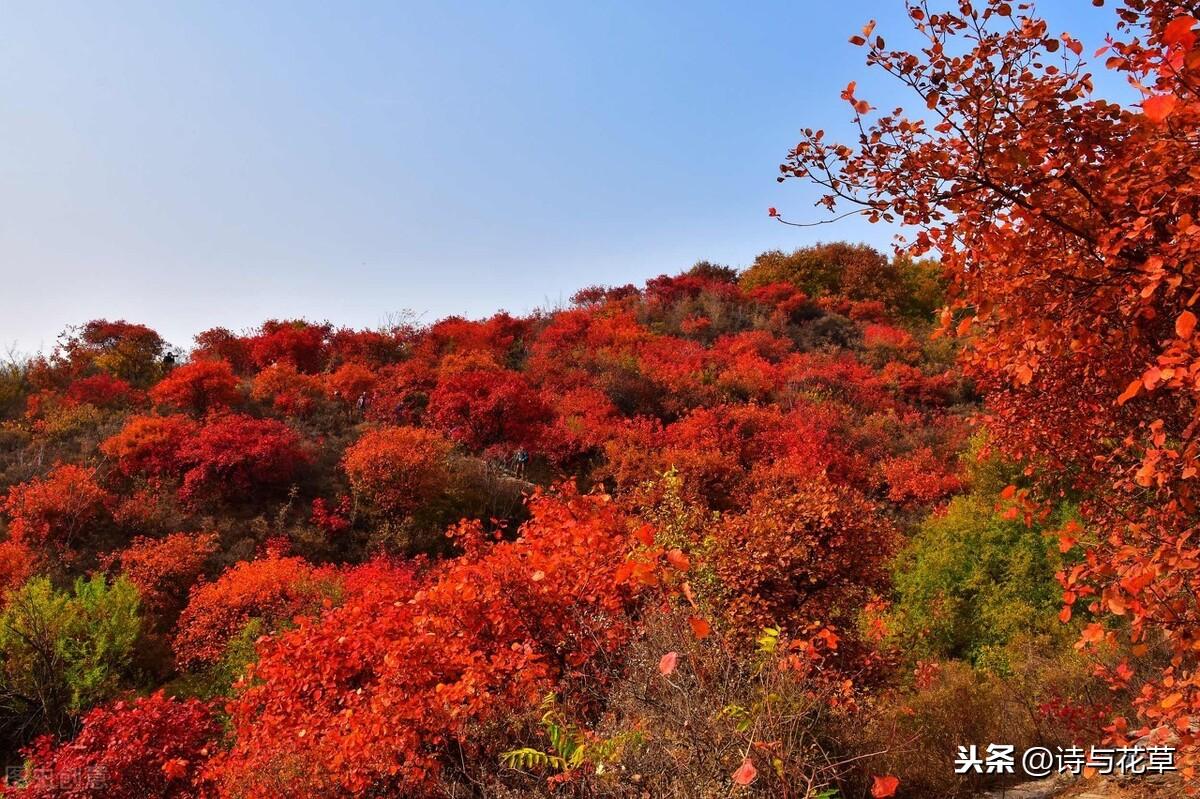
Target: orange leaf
{"x":1159,"y":107}
{"x":1171,"y":701}
{"x":884,"y":787}
{"x":667,"y":664}
{"x":700,"y":628}
{"x":745,"y":773}
{"x":645,"y":534}
{"x":1185,"y":323}
{"x":1065,"y":615}
{"x":679,"y":560}
{"x":1093,"y":633}
{"x":1179,"y":31}
{"x":1129,"y":393}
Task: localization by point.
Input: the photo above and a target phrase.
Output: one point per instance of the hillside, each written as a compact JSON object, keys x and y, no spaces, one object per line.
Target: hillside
{"x":728,"y":527}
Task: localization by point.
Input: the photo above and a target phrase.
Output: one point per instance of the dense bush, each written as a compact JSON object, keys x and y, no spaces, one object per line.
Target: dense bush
{"x":61,"y":653}
{"x":153,"y":746}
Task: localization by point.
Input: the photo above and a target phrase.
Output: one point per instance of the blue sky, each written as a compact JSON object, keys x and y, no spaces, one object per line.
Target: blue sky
{"x":201,"y":164}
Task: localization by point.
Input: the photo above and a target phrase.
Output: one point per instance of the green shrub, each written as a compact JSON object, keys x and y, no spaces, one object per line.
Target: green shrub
{"x":971,"y":581}
{"x":61,"y":653}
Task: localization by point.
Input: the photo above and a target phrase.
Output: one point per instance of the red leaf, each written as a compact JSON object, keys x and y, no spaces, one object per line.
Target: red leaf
{"x":883,"y":787}
{"x":1130,"y":392}
{"x":1159,"y":107}
{"x":679,"y":560}
{"x":1185,"y":324}
{"x":745,"y":774}
{"x":700,"y":628}
{"x":1179,"y":32}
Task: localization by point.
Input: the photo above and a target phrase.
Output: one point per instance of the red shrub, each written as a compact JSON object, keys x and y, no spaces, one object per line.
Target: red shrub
{"x":55,"y":510}
{"x":221,"y":345}
{"x":198,"y":387}
{"x":296,"y":342}
{"x":235,"y":454}
{"x":104,"y":391}
{"x":17,"y":564}
{"x":398,"y":469}
{"x":164,"y":569}
{"x":350,"y":382}
{"x":287,"y":390}
{"x":919,"y":477}
{"x":378,"y":696}
{"x":804,"y":550}
{"x":488,"y":408}
{"x":272,"y":589}
{"x":149,"y":445}
{"x":154,"y":746}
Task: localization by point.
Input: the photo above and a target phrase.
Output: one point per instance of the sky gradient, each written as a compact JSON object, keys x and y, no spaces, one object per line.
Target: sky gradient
{"x":213,"y":164}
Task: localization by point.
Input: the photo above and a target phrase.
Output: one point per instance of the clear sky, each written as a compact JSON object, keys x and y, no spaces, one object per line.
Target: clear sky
{"x":187,"y":165}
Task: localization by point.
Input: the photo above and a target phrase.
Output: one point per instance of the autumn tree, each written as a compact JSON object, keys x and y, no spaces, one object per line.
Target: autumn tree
{"x":1069,"y":224}
{"x":271,"y":590}
{"x":149,"y":445}
{"x":297,"y":342}
{"x":164,"y":569}
{"x":487,"y":407}
{"x":287,"y":390}
{"x":386,"y":693}
{"x":123,"y":349}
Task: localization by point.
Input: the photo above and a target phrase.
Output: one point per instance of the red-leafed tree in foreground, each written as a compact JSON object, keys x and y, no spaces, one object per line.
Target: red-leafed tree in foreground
{"x":1071,"y":227}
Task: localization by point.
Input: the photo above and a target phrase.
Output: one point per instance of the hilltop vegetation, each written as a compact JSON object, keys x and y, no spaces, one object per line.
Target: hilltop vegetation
{"x":320,"y":561}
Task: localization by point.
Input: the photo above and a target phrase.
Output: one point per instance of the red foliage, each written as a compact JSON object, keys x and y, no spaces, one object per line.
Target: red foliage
{"x":221,"y":345}
{"x":383,"y":693}
{"x":351,"y":381}
{"x":17,"y":564}
{"x":488,"y":408}
{"x":198,"y":387}
{"x":369,"y":347}
{"x":104,"y":391}
{"x":398,"y":469}
{"x":272,"y":589}
{"x":56,"y":510}
{"x":804,"y":550}
{"x":1089,"y":357}
{"x":234,"y":455}
{"x":287,"y":390}
{"x":149,"y":445}
{"x":164,"y":569}
{"x":919,"y":477}
{"x":335,"y":520}
{"x":152,"y":746}
{"x":296,"y":342}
